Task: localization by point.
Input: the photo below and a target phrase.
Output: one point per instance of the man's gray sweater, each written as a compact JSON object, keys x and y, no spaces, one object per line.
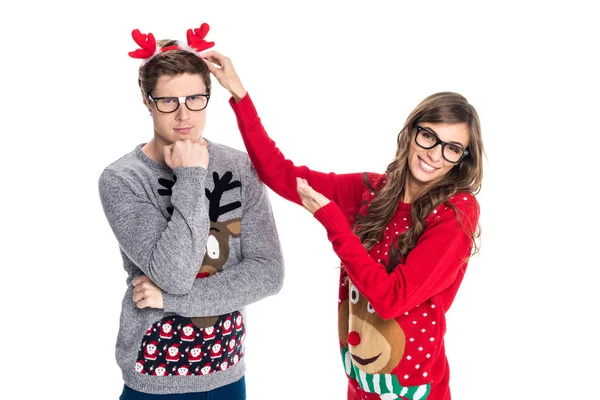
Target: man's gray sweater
{"x":207,"y":238}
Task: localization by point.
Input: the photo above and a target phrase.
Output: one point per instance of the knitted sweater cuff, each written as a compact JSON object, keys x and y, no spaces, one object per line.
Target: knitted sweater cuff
{"x":332,"y":218}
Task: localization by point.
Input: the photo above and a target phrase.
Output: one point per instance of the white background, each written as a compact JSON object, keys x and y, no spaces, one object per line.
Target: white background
{"x":333,"y":82}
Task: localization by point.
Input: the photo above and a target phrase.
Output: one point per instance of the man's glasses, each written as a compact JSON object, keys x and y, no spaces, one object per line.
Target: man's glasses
{"x":427,"y":139}
{"x":195,"y":102}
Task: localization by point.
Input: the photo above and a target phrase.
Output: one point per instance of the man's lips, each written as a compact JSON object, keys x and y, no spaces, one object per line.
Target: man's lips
{"x":183,"y":130}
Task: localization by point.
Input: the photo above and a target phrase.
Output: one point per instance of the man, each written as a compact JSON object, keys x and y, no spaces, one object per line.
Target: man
{"x":196,"y":233}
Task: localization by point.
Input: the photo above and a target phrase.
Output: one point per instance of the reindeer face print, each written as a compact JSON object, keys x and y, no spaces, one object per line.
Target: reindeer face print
{"x":368,"y":337}
{"x":217,"y":245}
{"x":213,"y":249}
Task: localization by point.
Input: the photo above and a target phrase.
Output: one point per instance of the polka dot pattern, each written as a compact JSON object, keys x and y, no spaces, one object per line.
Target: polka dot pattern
{"x":422,"y":325}
{"x":419,"y":324}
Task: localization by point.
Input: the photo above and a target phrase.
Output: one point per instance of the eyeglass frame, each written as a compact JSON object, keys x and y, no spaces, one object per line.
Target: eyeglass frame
{"x":439,"y":141}
{"x":179,"y":101}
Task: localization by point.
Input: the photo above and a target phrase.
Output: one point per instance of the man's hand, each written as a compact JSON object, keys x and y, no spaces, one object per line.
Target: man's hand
{"x":311,"y":199}
{"x":185,"y":153}
{"x":222,"y":68}
{"x":146,"y":294}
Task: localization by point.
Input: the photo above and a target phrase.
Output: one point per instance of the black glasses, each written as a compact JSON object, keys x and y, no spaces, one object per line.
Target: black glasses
{"x":427,"y":139}
{"x":194,"y":102}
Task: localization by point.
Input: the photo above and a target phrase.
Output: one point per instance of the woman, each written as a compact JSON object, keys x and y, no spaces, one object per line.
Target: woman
{"x":404,"y":238}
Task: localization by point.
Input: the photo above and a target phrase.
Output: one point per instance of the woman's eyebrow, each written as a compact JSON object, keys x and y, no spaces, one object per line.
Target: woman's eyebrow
{"x":438,"y":136}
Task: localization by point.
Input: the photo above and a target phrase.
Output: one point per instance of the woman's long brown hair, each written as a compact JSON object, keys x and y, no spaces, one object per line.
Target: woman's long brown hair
{"x":443,"y":107}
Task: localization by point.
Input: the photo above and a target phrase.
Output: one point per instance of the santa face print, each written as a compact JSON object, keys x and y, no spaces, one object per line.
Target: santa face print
{"x":204,"y":351}
{"x":366,"y":335}
{"x":195,"y":352}
{"x":150,"y":348}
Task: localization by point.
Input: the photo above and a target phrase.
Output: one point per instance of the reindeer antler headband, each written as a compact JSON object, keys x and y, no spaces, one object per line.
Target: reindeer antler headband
{"x":148,"y":49}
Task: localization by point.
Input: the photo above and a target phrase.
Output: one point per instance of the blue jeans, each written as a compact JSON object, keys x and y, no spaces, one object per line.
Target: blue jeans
{"x":233,"y":391}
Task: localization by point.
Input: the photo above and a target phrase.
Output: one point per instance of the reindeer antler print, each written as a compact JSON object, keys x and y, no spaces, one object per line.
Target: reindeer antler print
{"x":393,"y":258}
{"x":222,"y":185}
{"x":168,"y":184}
{"x":217,"y":244}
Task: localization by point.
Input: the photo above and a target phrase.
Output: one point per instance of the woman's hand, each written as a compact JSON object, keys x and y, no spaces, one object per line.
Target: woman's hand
{"x":222,"y":68}
{"x":146,"y":293}
{"x":311,"y":199}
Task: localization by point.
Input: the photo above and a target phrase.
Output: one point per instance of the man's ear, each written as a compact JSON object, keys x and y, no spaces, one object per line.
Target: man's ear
{"x":146,"y":102}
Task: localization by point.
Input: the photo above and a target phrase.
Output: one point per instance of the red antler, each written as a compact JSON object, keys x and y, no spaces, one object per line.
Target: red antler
{"x":195,"y":38}
{"x":146,"y":42}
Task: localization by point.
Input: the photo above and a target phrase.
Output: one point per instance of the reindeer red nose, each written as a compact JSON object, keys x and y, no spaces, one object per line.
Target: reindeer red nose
{"x":353,"y":338}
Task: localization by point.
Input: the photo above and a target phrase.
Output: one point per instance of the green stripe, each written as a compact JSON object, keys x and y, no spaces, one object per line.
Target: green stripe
{"x":370,"y":378}
{"x":397,"y":388}
{"x":345,"y":359}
